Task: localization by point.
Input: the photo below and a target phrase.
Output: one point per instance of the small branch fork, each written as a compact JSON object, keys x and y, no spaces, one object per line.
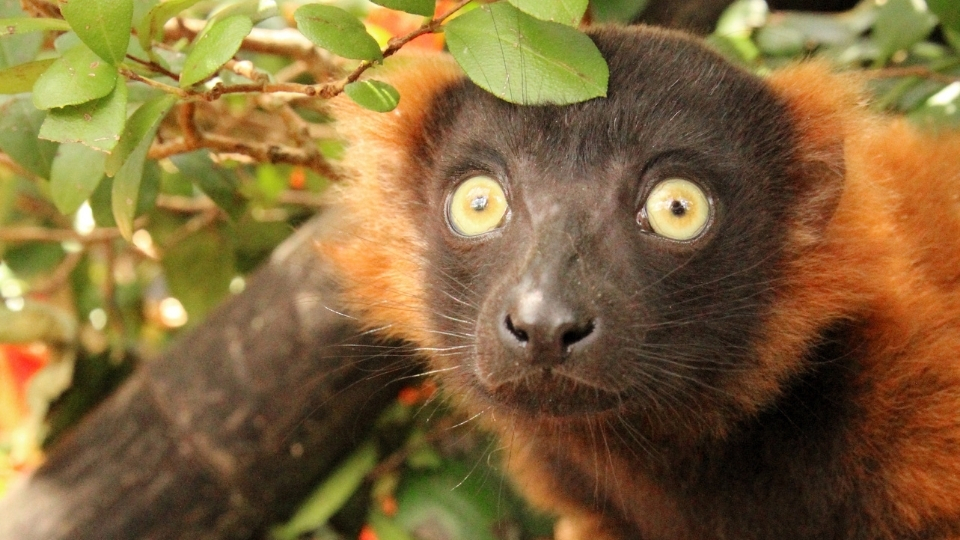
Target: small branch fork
{"x":289,"y":43}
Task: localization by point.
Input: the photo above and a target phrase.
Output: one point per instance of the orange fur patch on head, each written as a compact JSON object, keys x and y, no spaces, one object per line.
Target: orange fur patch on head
{"x":378,"y":254}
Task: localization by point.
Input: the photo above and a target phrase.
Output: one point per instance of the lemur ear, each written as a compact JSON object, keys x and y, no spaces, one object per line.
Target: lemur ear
{"x":823,"y":115}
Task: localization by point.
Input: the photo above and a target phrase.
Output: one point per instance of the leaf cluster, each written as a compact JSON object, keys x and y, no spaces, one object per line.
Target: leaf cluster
{"x":910,"y":50}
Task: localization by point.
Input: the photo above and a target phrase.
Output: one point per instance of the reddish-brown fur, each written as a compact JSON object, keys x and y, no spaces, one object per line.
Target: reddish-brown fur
{"x":889,"y":255}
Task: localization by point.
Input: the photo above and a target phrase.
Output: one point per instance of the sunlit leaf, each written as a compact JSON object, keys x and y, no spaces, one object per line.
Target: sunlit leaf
{"x":20,"y":48}
{"x":77,"y":77}
{"x":126,"y":187}
{"x":20,"y":125}
{"x":102,"y":26}
{"x":741,"y":18}
{"x":568,"y":12}
{"x":76,"y":171}
{"x":217,"y":44}
{"x":11,"y":27}
{"x":417,"y":7}
{"x":151,"y":26}
{"x":374,"y":95}
{"x":337,"y":31}
{"x":900,"y":24}
{"x":525,"y":60}
{"x":141,"y":125}
{"x":22,"y":77}
{"x":96,"y":124}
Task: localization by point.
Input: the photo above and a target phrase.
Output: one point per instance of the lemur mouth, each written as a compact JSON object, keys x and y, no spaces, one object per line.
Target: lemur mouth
{"x":548,"y":393}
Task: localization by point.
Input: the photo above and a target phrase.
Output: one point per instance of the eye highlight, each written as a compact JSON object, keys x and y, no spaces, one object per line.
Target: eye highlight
{"x":676,"y":209}
{"x":477,"y":206}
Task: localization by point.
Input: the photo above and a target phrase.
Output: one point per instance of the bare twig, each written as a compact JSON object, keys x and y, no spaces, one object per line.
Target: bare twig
{"x":913,"y":71}
{"x":188,"y":127}
{"x":42,"y":234}
{"x":192,"y":226}
{"x":245,"y":68}
{"x":41,"y":8}
{"x":184,"y":205}
{"x":155,"y":67}
{"x":260,"y":152}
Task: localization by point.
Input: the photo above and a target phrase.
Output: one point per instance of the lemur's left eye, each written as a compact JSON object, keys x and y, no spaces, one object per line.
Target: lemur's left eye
{"x":676,"y":209}
{"x":477,"y":206}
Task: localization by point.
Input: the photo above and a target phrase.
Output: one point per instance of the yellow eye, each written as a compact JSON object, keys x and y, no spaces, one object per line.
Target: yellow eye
{"x":477,"y":206}
{"x":677,"y":209}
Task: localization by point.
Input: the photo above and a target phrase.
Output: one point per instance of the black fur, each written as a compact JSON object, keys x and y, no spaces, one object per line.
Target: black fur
{"x":663,"y":330}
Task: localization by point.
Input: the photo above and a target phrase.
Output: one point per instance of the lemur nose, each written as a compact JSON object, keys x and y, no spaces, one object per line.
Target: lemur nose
{"x":545,"y":331}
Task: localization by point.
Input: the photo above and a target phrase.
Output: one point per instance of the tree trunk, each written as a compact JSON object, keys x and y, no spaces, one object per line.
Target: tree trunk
{"x":228,"y":430}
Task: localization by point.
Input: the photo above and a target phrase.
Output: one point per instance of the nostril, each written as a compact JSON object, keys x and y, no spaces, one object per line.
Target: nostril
{"x":521,"y":335}
{"x":576,"y":335}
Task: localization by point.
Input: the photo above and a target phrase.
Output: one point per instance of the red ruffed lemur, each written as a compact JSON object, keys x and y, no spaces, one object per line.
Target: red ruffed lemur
{"x":707,"y":306}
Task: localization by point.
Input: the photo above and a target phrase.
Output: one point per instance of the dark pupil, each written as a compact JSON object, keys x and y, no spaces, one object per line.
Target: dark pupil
{"x":479,"y":203}
{"x":678,"y":208}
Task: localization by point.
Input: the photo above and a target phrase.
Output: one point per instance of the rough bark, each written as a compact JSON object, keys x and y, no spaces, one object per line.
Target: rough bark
{"x":228,"y":430}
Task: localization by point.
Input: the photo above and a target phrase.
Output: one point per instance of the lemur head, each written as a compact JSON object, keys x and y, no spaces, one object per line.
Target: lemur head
{"x":617,"y":256}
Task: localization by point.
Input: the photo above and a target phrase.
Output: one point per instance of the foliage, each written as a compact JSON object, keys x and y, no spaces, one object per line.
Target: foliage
{"x":144,"y":173}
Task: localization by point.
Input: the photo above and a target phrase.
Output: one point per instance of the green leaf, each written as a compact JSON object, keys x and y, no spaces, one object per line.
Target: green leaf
{"x":102,"y":26}
{"x":11,"y":27}
{"x":76,"y":172}
{"x":100,"y":203}
{"x":741,"y":18}
{"x":417,"y":7}
{"x":217,"y":44}
{"x":76,"y":77}
{"x":568,"y":12}
{"x":21,"y":78}
{"x":126,"y":187}
{"x":31,"y":259}
{"x":900,"y":24}
{"x":525,"y":60}
{"x":151,"y":26}
{"x":374,"y":95}
{"x":331,"y":495}
{"x":19,"y":129}
{"x":948,"y":11}
{"x":941,"y":110}
{"x":20,"y":48}
{"x":141,"y":125}
{"x":454,"y":503}
{"x":337,"y":31}
{"x":622,"y":11}
{"x":214,"y":180}
{"x":96,"y":124}
{"x":198,"y":270}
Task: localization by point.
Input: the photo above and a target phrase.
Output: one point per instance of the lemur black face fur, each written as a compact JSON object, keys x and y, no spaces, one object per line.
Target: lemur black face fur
{"x":612,"y":256}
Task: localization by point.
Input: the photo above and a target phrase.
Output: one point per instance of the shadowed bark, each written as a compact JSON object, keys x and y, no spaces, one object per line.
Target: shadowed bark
{"x":228,"y":430}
